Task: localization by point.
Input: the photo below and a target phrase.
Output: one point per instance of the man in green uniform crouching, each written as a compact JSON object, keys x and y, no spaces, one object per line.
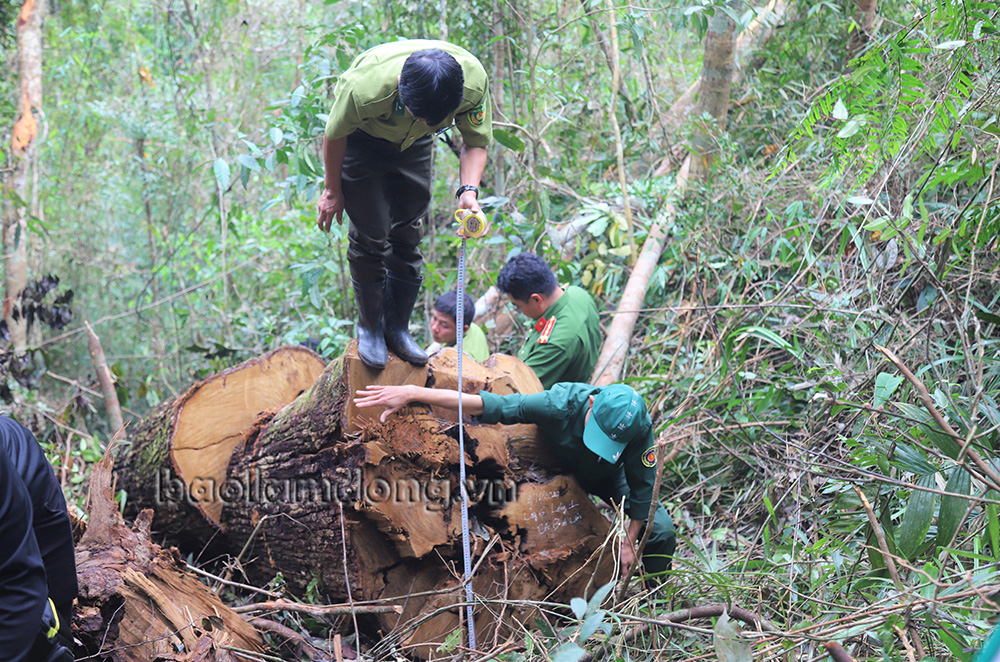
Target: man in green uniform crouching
{"x":565,"y":341}
{"x":377,"y":152}
{"x":603,"y":436}
{"x":444,"y":326}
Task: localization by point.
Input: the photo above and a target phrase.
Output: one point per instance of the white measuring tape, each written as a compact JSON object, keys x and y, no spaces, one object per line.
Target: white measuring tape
{"x":471,"y":224}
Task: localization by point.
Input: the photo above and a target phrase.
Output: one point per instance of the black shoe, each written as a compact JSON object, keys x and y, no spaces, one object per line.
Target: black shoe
{"x":400,"y":295}
{"x":371,"y":342}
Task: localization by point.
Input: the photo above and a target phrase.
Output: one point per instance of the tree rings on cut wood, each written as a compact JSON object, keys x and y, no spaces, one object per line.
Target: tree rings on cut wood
{"x":178,"y":457}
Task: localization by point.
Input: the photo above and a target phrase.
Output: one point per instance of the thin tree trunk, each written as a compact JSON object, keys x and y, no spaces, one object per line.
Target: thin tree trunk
{"x":864,"y":25}
{"x":300,"y":43}
{"x":616,"y":81}
{"x":714,"y":91}
{"x":499,"y":59}
{"x":758,"y":32}
{"x":611,"y":54}
{"x":443,"y":21}
{"x":154,"y":259}
{"x":16,"y":207}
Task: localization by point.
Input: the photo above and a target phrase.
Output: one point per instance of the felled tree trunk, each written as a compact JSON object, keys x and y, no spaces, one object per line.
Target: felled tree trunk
{"x":324,"y":494}
{"x":371,"y":510}
{"x":178,"y":456}
{"x":137,"y":603}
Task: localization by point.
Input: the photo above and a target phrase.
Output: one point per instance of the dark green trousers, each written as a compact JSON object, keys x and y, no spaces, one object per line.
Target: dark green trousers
{"x":662,"y":539}
{"x":386,"y":195}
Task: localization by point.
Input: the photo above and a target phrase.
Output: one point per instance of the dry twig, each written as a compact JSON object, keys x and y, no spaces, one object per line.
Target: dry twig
{"x":317,"y":610}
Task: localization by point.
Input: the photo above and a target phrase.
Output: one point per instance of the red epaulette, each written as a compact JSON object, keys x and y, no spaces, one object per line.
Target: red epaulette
{"x":547,"y":331}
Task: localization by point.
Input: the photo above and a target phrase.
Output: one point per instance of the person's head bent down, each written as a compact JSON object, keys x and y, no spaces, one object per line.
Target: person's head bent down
{"x":529,"y":284}
{"x":444,"y":326}
{"x":617,"y":416}
{"x":431,"y":85}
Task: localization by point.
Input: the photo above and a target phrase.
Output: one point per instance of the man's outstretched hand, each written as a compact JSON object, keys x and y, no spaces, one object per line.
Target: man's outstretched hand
{"x":393,"y":398}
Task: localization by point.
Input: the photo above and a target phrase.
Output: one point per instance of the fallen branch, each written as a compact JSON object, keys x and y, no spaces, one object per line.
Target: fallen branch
{"x":306,"y":647}
{"x":326,"y":610}
{"x":612,"y":358}
{"x":837,"y":652}
{"x":227,"y":582}
{"x":111,"y":404}
{"x":883,"y":545}
{"x":653,"y":505}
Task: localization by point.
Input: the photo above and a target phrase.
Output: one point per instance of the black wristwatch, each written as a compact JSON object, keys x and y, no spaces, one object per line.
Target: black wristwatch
{"x":466,"y":187}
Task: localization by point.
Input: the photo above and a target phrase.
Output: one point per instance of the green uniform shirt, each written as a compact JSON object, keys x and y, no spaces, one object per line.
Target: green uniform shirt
{"x":474,"y":343}
{"x":367,"y":97}
{"x":559,"y":414}
{"x":566,"y":352}
{"x":991,"y":649}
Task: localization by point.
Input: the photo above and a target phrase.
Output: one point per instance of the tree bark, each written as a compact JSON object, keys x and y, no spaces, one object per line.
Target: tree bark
{"x":326,"y":495}
{"x":18,"y":203}
{"x":716,"y":83}
{"x":865,"y":15}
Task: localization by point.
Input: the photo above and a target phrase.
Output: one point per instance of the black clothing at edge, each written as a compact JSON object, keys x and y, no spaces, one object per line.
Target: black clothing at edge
{"x":36,"y":545}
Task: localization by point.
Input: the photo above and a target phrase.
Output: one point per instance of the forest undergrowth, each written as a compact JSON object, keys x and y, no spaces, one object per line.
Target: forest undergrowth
{"x":818,"y":344}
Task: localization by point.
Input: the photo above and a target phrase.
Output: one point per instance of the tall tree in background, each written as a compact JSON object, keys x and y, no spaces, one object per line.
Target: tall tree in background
{"x":865,"y":15}
{"x":21,"y":192}
{"x":716,"y":83}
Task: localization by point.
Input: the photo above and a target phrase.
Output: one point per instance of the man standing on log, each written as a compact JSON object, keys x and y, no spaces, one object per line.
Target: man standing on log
{"x":37,"y":566}
{"x":603,"y":436}
{"x":566,"y":339}
{"x":377,"y":152}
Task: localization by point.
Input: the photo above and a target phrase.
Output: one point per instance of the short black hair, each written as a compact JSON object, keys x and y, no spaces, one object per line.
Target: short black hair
{"x":431,"y":85}
{"x":526,"y":274}
{"x":447,"y":304}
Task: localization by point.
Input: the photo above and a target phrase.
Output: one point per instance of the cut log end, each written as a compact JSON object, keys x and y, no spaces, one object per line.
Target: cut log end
{"x":179,"y":456}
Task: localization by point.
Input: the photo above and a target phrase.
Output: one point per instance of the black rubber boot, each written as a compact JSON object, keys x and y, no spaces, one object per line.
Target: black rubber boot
{"x":400,"y":295}
{"x":371,"y":342}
